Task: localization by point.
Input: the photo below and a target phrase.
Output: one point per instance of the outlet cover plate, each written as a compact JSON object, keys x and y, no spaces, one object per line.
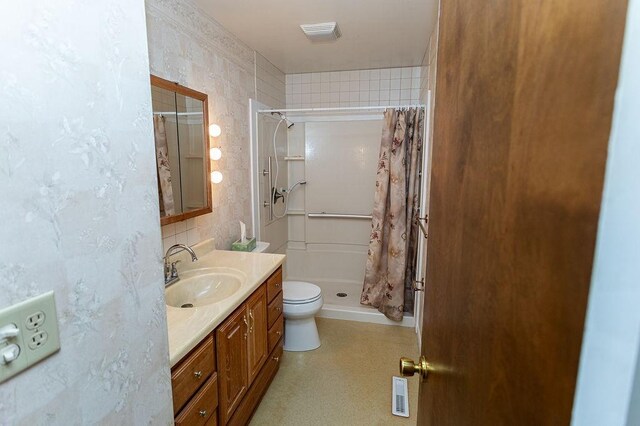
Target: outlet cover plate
{"x":33,"y":348}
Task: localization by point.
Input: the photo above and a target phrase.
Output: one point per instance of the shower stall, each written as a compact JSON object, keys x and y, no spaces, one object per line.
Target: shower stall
{"x":318,"y":211}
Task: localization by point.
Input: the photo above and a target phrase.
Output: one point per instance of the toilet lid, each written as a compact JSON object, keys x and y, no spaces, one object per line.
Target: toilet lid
{"x":296,"y":292}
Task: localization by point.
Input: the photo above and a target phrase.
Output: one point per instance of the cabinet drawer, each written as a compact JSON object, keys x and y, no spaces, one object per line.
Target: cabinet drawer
{"x":201,"y":410}
{"x":275,"y":332}
{"x":276,"y":355}
{"x":275,"y":309}
{"x":192,"y":372}
{"x":274,"y":284}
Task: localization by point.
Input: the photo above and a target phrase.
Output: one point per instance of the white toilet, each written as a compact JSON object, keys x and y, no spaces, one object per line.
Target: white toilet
{"x":302,"y":301}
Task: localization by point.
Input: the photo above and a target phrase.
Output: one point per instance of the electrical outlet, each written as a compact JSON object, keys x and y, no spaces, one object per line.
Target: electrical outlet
{"x":37,"y":337}
{"x":35,"y":320}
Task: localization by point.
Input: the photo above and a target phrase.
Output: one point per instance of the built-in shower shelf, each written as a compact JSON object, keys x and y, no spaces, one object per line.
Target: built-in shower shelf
{"x":294,"y":158}
{"x":296,"y":212}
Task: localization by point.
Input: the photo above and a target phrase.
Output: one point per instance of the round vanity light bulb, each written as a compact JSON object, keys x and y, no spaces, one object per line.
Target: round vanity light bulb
{"x":215,"y":130}
{"x":216,"y":177}
{"x":215,"y":153}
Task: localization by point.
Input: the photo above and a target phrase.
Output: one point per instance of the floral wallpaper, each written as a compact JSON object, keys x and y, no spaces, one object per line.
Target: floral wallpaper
{"x":187,"y":46}
{"x":79,"y":211}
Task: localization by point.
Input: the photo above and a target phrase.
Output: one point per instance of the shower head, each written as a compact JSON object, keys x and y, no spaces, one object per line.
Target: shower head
{"x":300,"y":182}
{"x":283,"y":118}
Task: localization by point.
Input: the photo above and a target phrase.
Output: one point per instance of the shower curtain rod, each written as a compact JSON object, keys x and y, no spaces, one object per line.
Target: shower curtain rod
{"x":179,"y":113}
{"x":369,"y":108}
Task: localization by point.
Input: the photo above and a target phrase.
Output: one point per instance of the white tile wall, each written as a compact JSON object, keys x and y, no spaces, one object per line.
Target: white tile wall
{"x":427,"y":80}
{"x":270,"y":83}
{"x":387,"y":86}
{"x":184,"y":232}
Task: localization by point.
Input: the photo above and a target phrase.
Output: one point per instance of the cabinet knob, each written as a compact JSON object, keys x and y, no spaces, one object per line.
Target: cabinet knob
{"x":278,"y":308}
{"x":203,"y":413}
{"x":277,"y":285}
{"x":276,"y":358}
{"x":197,"y":374}
{"x":278,"y":332}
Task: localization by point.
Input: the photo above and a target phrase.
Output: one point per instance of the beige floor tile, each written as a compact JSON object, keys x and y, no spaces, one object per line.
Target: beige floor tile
{"x":347,"y":381}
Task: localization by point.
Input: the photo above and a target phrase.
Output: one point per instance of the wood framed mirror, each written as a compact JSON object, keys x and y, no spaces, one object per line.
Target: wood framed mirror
{"x":183,"y":166}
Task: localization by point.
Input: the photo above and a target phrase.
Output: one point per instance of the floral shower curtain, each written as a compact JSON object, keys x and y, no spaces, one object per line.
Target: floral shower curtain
{"x":164,"y":170}
{"x":388,"y":281}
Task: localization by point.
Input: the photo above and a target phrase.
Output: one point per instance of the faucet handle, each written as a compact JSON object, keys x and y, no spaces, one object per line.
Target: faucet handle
{"x":174,"y":271}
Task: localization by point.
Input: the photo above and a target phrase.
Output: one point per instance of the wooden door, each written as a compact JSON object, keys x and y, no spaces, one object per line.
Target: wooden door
{"x":524,"y":99}
{"x":257,"y":350}
{"x":233,"y":378}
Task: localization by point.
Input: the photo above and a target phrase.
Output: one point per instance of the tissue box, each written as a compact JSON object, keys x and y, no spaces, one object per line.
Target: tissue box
{"x":247,"y":245}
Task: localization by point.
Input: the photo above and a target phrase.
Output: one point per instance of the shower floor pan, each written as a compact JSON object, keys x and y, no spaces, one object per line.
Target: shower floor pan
{"x":348,"y":307}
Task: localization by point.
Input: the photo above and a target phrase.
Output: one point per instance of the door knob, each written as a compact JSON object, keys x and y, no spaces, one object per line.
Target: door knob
{"x":408,"y":367}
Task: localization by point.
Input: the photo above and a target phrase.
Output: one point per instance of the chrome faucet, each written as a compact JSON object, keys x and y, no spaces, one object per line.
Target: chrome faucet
{"x":170,"y":271}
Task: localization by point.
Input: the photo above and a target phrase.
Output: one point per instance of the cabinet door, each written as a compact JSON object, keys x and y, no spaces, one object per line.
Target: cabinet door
{"x":233,"y":378}
{"x":257,"y":350}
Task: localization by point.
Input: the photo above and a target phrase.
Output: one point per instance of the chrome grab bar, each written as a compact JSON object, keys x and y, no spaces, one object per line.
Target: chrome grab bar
{"x":269,"y":204}
{"x":324,"y":215}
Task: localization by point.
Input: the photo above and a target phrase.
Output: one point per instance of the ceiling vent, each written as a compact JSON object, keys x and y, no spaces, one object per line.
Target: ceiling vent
{"x":327,"y":31}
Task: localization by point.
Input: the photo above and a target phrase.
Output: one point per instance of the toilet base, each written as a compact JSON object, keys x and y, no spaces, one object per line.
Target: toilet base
{"x":301,"y":334}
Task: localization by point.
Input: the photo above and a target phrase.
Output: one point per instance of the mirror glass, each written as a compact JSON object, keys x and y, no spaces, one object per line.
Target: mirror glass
{"x":182,"y":150}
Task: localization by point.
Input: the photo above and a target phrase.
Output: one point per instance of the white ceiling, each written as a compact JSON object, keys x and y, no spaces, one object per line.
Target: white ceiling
{"x":375,"y":33}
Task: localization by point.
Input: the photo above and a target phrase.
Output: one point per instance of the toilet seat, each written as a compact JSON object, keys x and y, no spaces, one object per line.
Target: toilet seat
{"x":300,"y":292}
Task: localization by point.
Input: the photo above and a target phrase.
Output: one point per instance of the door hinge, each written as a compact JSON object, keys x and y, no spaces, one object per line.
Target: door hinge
{"x":422,"y":227}
{"x":415,"y":287}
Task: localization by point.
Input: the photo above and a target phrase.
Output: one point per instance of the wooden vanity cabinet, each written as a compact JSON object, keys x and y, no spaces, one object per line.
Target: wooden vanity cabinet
{"x":240,"y":361}
{"x":232,"y":361}
{"x":266,"y":306}
{"x":275,"y":317}
{"x":201,"y":410}
{"x":223,"y":379}
{"x":257,"y":336}
{"x":195,"y":386}
{"x":274,"y":285}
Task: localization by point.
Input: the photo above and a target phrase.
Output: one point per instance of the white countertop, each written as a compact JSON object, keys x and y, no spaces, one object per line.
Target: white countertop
{"x":188,"y":326}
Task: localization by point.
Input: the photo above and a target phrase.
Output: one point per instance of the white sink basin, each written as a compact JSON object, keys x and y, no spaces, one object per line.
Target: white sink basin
{"x":204,"y":286}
